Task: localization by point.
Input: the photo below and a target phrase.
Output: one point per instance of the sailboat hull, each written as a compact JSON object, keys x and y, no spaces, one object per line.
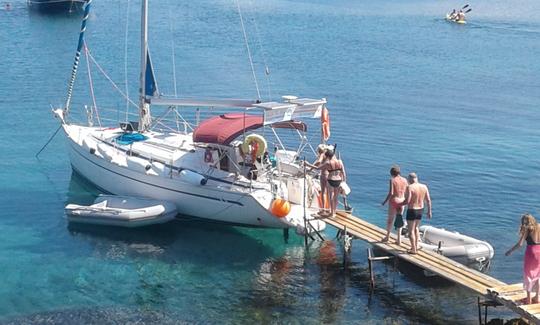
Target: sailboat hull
{"x":192,"y":200}
{"x":56,"y":5}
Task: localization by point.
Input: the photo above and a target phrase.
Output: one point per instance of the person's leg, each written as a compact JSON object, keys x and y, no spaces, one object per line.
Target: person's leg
{"x":399,"y":213}
{"x":330,"y":192}
{"x":416,"y":234}
{"x":537,"y":291}
{"x":528,"y":299}
{"x":410,"y":225}
{"x":324,"y":195}
{"x":389,"y":222}
{"x":335,"y":193}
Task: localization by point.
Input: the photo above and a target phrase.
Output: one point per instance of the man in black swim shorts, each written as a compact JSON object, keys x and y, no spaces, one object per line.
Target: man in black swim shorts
{"x":415,"y":195}
{"x":414,"y":214}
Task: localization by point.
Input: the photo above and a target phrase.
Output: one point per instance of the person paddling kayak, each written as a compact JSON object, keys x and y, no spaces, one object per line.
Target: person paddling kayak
{"x":460,"y":16}
{"x":452,"y":15}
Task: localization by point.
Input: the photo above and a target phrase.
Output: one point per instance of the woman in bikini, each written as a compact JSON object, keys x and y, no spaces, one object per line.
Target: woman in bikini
{"x":395,"y":198}
{"x":334,"y":168}
{"x":529,"y":232}
{"x":321,"y":159}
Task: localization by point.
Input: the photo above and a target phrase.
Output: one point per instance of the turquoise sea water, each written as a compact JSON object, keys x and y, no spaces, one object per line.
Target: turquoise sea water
{"x":457,"y":104}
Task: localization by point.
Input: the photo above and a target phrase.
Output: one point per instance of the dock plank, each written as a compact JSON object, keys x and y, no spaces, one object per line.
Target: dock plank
{"x":533,"y":308}
{"x":507,"y":288}
{"x":491,"y":288}
{"x":371,"y":234}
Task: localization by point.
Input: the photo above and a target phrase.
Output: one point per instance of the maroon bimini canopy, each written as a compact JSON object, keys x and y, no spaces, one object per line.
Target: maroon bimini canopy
{"x":225,"y":128}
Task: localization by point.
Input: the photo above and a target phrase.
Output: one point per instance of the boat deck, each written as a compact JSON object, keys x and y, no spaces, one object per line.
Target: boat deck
{"x":483,"y":284}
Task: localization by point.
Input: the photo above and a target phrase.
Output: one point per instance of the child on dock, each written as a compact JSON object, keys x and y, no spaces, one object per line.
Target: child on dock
{"x":529,"y":232}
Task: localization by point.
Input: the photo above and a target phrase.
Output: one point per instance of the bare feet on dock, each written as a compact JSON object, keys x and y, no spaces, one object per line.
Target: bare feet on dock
{"x":535,"y":300}
{"x":384,"y":240}
{"x":398,"y":242}
{"x":524,"y":301}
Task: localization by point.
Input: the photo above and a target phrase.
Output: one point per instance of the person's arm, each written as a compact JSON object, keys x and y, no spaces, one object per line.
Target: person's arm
{"x":389,"y":193}
{"x":310,"y":165}
{"x":428,"y":202}
{"x":316,"y":163}
{"x":343,"y":171}
{"x":323,"y":166}
{"x":518,"y":244}
{"x":407,"y":197}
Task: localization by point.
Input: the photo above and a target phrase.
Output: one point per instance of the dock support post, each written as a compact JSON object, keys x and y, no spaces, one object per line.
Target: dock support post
{"x":315,"y":230}
{"x":371,"y":260}
{"x":479,"y":312}
{"x":286,"y":235}
{"x":370,"y":265}
{"x":485,"y":304}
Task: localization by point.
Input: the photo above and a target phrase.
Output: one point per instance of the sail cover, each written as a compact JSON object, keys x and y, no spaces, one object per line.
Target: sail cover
{"x":150,"y":85}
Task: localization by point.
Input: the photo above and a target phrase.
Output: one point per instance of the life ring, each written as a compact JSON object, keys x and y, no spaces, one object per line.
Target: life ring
{"x":260,"y":145}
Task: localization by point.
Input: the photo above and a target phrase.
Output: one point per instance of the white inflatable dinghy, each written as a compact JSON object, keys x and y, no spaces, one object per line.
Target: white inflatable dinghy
{"x":466,"y":250}
{"x":123,"y":211}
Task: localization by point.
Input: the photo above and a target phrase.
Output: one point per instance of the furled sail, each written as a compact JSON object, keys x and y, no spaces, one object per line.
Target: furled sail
{"x":150,"y":85}
{"x":77,"y":54}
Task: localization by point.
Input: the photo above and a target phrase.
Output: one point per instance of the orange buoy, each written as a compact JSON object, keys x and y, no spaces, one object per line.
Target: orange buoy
{"x":280,"y":207}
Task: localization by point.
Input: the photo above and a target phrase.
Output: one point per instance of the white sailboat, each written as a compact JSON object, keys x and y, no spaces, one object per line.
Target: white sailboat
{"x":221,"y":171}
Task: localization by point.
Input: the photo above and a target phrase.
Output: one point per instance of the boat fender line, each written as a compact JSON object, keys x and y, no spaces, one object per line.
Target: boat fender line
{"x":260,"y":145}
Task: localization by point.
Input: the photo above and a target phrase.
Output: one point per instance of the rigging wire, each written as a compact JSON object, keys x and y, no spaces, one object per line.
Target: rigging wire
{"x":171,"y":28}
{"x":173,"y":55}
{"x":91,"y":83}
{"x":266,"y":68}
{"x":126,"y":60}
{"x":248,"y":50}
{"x":109,"y":78}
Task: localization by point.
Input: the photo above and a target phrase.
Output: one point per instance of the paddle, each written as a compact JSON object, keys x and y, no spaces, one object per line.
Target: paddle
{"x":465,"y":6}
{"x":468,"y":10}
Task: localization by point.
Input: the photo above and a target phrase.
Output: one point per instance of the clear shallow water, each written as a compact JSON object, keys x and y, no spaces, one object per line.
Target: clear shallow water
{"x":456,"y":104}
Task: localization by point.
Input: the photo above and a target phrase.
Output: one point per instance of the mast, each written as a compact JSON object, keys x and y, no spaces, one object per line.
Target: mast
{"x":144,"y":105}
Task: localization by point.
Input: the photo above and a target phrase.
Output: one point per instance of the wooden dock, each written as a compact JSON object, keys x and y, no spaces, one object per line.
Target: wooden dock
{"x":484,"y":285}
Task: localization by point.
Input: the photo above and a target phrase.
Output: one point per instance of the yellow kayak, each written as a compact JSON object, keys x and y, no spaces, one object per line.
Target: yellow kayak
{"x":455,"y":21}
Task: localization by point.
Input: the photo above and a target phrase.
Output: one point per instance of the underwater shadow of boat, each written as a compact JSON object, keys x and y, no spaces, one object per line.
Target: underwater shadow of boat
{"x":181,"y":239}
